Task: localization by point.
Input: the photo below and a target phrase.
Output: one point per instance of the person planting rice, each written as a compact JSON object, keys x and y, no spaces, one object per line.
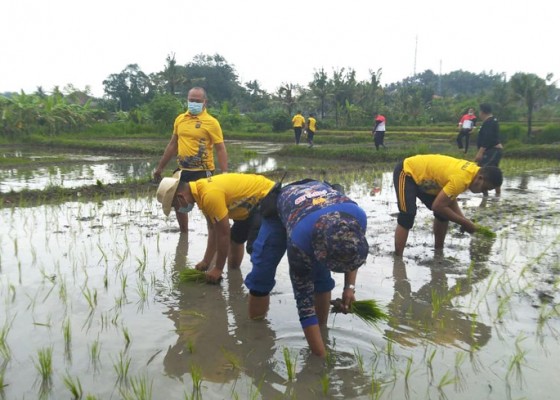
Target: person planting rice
{"x":437,"y":180}
{"x":220,"y":198}
{"x":323,"y":231}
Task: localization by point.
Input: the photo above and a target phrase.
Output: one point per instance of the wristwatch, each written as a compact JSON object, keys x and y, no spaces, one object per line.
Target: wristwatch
{"x":350,"y":287}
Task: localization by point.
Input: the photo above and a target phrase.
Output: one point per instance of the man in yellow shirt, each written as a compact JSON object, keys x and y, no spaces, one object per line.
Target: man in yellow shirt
{"x":311,"y":128}
{"x":437,"y":180}
{"x":195,"y":134}
{"x":220,"y":198}
{"x":298,"y":122}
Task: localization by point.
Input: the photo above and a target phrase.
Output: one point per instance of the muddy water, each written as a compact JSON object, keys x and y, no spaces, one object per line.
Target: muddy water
{"x":81,"y":169}
{"x":97,"y":284}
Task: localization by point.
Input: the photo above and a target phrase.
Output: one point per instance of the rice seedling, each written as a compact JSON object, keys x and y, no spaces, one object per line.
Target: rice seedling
{"x":67,"y":333}
{"x":95,"y":353}
{"x":140,"y":389}
{"x":407,"y":371}
{"x":90,"y":296}
{"x":446,"y":379}
{"x":126,"y":335}
{"x":368,"y":311}
{"x":290,"y":363}
{"x":74,"y":386}
{"x":142,"y":262}
{"x":196,"y":376}
{"x":124,"y":279}
{"x":459,"y":360}
{"x":43,"y":363}
{"x":517,"y":360}
{"x":3,"y":383}
{"x":325,"y":383}
{"x":121,"y":366}
{"x":429,"y":364}
{"x":389,"y":351}
{"x":233,"y":361}
{"x":142,"y":291}
{"x":5,"y":351}
{"x":192,"y":275}
{"x":485,"y":231}
{"x":376,"y":387}
{"x":359,"y":360}
{"x":106,"y":278}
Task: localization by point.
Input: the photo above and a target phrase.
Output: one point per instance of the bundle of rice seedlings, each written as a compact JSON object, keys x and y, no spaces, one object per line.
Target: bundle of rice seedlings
{"x":368,"y":310}
{"x":485,"y":231}
{"x":192,"y":275}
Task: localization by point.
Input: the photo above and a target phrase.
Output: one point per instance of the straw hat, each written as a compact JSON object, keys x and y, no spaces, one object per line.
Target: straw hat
{"x":166,"y":191}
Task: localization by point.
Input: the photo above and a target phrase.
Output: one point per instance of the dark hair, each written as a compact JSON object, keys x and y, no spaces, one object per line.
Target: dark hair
{"x":492,"y":175}
{"x":485,"y":108}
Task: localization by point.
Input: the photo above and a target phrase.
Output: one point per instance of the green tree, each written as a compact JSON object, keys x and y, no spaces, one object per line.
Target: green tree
{"x":216,"y":76}
{"x":130,"y":88}
{"x":531,"y":89}
{"x":321,"y":89}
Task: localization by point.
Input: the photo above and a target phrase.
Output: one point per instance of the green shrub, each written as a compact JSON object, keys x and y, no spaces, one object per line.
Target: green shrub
{"x":549,"y":134}
{"x":512,"y":132}
{"x":281,"y":122}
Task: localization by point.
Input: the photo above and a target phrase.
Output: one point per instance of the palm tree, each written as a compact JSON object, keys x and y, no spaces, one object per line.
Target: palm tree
{"x":531,"y":89}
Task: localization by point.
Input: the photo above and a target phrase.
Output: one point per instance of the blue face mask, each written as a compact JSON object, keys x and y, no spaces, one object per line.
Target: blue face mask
{"x":195,"y":108}
{"x":186,"y":209}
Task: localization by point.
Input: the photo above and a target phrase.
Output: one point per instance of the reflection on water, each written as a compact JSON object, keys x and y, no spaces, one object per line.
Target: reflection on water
{"x":257,"y":165}
{"x":83,"y":169}
{"x":428,"y":313}
{"x":72,"y":175}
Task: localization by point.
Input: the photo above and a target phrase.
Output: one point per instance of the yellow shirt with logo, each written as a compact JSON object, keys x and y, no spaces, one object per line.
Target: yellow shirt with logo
{"x":230,"y":194}
{"x":298,"y":121}
{"x":197,"y":135}
{"x":435,"y":172}
{"x":311,"y":123}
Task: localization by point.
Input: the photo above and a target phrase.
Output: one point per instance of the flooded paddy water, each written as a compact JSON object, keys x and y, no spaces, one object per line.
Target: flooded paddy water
{"x":91,"y":305}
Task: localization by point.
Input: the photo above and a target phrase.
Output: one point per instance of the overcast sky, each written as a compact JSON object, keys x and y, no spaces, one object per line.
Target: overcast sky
{"x":56,"y":42}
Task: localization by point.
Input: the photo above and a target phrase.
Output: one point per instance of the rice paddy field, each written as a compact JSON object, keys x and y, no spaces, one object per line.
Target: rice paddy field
{"x":91,"y":306}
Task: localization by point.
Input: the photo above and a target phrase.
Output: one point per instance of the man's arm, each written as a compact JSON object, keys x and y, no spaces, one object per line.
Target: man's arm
{"x":479,"y":153}
{"x":222,"y":238}
{"x":348,"y":291}
{"x":222,"y":156}
{"x":170,"y":151}
{"x":449,"y":208}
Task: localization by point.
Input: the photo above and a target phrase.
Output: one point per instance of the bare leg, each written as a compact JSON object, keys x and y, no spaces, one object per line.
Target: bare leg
{"x":258,"y":306}
{"x":401,"y":236}
{"x":235,"y":255}
{"x":440,"y":230}
{"x":322,"y":306}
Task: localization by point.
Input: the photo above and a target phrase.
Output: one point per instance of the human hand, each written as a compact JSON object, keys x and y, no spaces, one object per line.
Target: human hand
{"x":347,"y":299}
{"x":202,"y":266}
{"x":157,"y":175}
{"x":214,"y":275}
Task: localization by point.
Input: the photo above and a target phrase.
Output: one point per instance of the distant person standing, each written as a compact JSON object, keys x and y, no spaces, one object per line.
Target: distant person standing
{"x":488,"y":141}
{"x":466,"y":125}
{"x":311,"y":128}
{"x":195,"y":134}
{"x":298,"y":122}
{"x":378,"y":131}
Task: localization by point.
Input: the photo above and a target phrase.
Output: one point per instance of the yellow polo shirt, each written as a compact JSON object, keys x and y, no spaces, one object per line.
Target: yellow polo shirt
{"x":311,"y":123}
{"x":298,"y":121}
{"x":197,"y":135}
{"x":435,"y":172}
{"x":233,"y":195}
